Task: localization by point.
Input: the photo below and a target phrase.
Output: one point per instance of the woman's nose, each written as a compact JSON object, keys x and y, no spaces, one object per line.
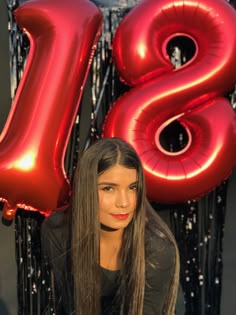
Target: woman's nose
{"x":123,"y":199}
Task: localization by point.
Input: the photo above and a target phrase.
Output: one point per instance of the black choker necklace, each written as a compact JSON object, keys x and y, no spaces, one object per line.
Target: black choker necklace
{"x":107,"y":228}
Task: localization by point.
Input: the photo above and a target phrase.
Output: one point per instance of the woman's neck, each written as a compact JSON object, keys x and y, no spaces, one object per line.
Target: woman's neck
{"x":110,"y":244}
{"x":110,"y":235}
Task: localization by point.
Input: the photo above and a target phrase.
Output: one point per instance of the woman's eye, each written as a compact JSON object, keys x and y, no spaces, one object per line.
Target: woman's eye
{"x":133,"y":187}
{"x":107,"y":188}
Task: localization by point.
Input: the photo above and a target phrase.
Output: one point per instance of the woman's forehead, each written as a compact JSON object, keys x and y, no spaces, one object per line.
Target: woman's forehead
{"x":118,"y":173}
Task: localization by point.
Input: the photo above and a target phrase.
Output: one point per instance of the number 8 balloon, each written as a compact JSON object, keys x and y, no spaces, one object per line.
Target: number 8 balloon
{"x":62,"y":37}
{"x":192,"y":94}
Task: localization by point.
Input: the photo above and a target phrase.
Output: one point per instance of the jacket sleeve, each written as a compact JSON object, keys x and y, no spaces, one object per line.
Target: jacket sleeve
{"x":160,"y":269}
{"x":55,"y":253}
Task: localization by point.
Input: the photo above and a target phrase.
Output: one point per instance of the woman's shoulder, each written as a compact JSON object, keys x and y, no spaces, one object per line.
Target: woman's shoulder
{"x":55,"y":232}
{"x":160,"y":248}
{"x":58,"y":219}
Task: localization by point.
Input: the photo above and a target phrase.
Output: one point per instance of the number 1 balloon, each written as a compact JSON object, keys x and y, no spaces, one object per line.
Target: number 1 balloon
{"x":62,"y":35}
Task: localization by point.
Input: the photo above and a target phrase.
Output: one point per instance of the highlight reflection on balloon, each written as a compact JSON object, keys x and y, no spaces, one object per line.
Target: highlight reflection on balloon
{"x":34,"y":139}
{"x":192,"y":94}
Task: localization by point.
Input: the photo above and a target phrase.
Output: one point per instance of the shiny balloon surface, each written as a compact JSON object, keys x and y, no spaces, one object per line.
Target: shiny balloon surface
{"x":192,"y":94}
{"x":63,"y":35}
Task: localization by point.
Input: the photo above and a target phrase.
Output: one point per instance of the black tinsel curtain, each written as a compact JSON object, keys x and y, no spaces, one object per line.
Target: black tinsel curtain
{"x":197,"y":225}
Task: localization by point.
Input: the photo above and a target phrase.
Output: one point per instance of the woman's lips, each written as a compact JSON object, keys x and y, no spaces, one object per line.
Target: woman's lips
{"x":121,"y":216}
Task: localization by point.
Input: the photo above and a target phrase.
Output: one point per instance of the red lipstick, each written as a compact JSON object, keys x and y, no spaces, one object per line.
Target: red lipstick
{"x":120,"y":216}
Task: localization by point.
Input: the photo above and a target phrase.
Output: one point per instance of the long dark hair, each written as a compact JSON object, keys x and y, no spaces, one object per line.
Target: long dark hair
{"x":86,"y":231}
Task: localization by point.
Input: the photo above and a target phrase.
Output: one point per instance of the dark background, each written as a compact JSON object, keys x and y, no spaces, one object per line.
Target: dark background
{"x":8,"y":271}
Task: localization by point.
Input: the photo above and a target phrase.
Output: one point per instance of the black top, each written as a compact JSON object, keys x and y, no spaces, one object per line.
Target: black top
{"x":159,"y":250}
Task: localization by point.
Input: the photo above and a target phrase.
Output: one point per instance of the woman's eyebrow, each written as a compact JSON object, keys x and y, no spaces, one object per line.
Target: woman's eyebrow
{"x":134,"y":183}
{"x":107,"y":183}
{"x":114,"y":184}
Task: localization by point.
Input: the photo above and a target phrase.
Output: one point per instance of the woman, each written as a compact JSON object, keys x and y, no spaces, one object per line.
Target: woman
{"x":117,"y":255}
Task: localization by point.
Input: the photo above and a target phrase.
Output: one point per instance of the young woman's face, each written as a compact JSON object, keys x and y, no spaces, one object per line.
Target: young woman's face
{"x":117,"y":192}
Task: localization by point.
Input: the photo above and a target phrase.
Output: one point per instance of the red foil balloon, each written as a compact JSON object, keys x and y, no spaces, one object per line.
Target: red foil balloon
{"x":62,"y":37}
{"x":192,"y":94}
